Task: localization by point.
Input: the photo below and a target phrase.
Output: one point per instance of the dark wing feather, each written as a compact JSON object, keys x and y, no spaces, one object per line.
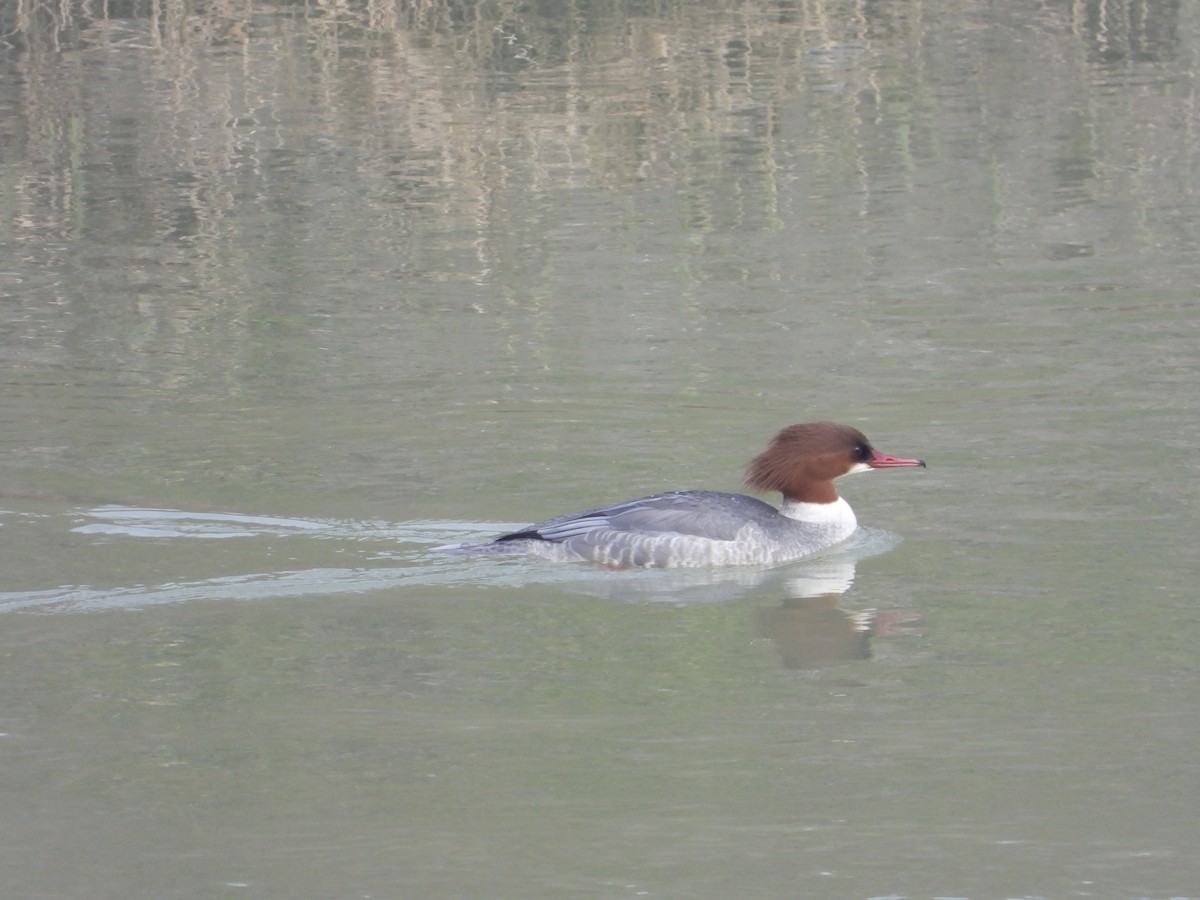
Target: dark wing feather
{"x":708,"y":514}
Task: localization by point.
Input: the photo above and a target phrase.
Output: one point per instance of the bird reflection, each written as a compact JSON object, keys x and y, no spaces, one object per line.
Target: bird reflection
{"x":804,"y":620}
{"x":813,"y":633}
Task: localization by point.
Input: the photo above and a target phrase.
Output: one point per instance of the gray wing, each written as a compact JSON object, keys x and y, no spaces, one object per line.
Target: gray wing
{"x":708,"y":514}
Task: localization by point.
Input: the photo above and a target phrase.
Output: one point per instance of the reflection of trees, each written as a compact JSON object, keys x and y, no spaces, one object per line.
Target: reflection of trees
{"x":433,"y":95}
{"x":447,"y":101}
{"x":443,"y":132}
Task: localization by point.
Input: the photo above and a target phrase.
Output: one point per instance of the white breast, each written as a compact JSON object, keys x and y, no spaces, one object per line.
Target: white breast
{"x":837,"y":519}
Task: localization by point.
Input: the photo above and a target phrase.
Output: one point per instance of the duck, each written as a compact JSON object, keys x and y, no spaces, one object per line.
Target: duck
{"x":700,"y":528}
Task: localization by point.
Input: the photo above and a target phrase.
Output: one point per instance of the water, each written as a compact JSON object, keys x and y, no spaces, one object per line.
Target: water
{"x":289,"y":297}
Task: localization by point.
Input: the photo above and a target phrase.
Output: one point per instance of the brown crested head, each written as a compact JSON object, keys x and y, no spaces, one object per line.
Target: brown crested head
{"x":803,"y":460}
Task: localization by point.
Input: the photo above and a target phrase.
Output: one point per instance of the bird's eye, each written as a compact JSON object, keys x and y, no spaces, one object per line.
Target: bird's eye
{"x":862,"y":452}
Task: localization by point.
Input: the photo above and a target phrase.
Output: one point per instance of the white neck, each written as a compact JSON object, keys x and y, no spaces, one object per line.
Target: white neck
{"x":838,"y":513}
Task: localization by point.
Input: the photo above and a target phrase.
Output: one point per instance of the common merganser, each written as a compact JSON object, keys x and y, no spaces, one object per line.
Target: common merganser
{"x":711,"y":528}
